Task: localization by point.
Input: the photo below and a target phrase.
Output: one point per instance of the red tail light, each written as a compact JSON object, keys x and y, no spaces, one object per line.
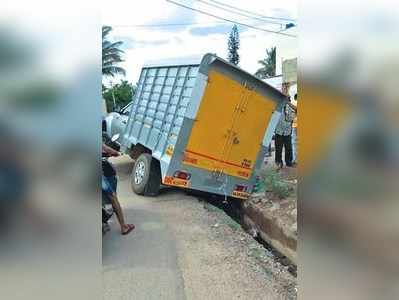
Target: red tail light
{"x":240,"y":188}
{"x":182,"y":175}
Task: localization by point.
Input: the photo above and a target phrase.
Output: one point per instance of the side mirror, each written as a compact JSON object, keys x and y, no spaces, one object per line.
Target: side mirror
{"x":125,"y":112}
{"x":115,"y":137}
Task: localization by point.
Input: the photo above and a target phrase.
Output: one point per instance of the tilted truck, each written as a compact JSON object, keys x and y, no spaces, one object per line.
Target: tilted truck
{"x":200,"y":124}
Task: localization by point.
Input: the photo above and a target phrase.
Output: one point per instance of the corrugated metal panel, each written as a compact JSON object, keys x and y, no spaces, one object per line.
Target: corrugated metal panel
{"x":162,"y":97}
{"x":177,"y":61}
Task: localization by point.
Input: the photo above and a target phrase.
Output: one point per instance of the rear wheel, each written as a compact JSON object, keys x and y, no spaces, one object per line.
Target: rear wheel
{"x":146,"y":176}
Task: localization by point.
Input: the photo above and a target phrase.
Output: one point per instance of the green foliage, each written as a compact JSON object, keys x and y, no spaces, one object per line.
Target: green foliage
{"x":268,"y":68}
{"x":233,"y":44}
{"x":111,"y":54}
{"x":123,"y":93}
{"x":276,"y":185}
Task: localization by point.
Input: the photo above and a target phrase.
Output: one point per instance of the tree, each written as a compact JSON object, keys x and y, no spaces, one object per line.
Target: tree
{"x":268,"y":68}
{"x":233,"y":45}
{"x":122,"y":92}
{"x":111,"y":54}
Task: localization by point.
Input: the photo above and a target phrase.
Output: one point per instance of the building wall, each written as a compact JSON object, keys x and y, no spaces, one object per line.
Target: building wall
{"x":290,"y":70}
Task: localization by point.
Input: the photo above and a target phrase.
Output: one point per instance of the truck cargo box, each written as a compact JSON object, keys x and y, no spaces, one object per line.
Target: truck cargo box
{"x":200,"y":124}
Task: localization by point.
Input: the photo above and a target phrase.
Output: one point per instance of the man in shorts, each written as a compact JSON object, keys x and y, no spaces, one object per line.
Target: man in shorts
{"x":108,"y":186}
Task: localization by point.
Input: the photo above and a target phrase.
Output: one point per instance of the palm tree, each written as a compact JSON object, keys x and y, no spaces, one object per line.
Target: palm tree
{"x":268,"y":64}
{"x":111,"y":54}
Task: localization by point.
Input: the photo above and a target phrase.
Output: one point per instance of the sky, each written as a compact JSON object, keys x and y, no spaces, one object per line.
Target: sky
{"x":207,"y":34}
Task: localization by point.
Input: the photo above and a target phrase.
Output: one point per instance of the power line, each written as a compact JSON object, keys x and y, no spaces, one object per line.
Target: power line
{"x":169,"y":24}
{"x":239,"y":13}
{"x":164,"y":25}
{"x":228,"y":20}
{"x":253,"y":13}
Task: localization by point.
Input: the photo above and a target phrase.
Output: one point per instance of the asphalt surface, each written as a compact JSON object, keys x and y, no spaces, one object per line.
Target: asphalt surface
{"x":143,"y":264}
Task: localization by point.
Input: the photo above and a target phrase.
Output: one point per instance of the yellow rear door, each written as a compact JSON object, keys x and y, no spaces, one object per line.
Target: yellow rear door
{"x":229,"y":128}
{"x":247,"y":133}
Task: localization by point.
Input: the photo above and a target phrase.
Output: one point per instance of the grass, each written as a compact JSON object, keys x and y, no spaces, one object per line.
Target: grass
{"x":275,"y":184}
{"x":258,"y":253}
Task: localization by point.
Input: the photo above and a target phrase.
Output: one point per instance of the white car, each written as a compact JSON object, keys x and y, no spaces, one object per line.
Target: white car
{"x":115,"y":122}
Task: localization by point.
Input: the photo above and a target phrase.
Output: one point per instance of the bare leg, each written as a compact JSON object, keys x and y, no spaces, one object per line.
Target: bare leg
{"x":119,"y":214}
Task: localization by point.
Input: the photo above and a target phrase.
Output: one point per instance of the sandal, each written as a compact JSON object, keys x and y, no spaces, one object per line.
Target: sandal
{"x":130,"y":228}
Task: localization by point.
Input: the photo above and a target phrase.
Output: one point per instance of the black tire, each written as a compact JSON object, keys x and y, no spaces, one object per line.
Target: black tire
{"x":146,"y":176}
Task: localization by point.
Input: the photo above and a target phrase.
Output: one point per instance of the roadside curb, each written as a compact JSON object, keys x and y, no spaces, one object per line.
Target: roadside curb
{"x":270,"y":230}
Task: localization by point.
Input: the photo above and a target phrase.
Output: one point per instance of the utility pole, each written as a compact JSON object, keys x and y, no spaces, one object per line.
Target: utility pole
{"x":113,"y":96}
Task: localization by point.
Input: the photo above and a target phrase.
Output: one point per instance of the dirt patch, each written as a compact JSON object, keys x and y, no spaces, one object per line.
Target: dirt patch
{"x":218,"y":259}
{"x":261,"y":260}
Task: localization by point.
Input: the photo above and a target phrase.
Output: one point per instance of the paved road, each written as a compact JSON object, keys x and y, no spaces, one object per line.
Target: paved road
{"x":142,"y":265}
{"x":171,"y":254}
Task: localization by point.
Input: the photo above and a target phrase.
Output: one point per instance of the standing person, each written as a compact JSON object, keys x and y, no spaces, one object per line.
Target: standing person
{"x":283,"y":136}
{"x":108,"y":185}
{"x":294,"y":131}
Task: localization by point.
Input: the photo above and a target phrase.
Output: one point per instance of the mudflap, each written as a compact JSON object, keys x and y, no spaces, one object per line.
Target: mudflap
{"x":154,"y":182}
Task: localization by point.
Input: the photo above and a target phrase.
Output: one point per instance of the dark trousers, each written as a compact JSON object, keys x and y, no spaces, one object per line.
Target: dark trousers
{"x":280,"y":142}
